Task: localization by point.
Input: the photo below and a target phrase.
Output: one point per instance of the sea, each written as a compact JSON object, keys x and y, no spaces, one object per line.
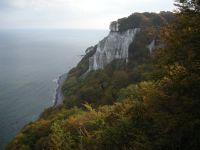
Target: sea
{"x":31,"y":60}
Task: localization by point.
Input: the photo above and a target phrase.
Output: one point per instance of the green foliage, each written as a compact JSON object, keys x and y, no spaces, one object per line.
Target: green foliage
{"x":186,"y":6}
{"x":145,"y":20}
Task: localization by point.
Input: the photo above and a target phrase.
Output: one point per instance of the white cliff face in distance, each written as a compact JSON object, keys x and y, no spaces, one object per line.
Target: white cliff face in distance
{"x":114,"y":46}
{"x":151,"y":46}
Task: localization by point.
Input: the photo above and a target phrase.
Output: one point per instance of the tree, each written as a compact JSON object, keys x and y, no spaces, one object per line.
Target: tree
{"x":188,"y":5}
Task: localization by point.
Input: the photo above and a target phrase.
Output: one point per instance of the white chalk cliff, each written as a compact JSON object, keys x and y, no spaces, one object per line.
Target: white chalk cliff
{"x":114,"y":46}
{"x":151,"y":46}
{"x":114,"y":26}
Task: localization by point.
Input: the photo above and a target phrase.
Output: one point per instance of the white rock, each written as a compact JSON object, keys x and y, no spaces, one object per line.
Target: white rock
{"x":114,"y":46}
{"x":151,"y":46}
{"x":114,"y":26}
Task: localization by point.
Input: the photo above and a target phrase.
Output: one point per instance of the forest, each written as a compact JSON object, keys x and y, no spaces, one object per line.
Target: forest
{"x":150,"y":103}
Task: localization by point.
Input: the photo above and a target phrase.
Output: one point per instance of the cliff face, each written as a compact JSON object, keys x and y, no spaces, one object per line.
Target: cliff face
{"x":114,"y":46}
{"x":114,"y":26}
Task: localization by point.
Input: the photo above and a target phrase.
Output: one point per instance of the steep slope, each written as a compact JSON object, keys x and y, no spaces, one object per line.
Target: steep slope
{"x":148,"y":101}
{"x":118,"y":55}
{"x":114,"y":46}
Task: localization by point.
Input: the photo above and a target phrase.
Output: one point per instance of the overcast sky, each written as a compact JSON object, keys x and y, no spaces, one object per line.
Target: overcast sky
{"x":87,"y":14}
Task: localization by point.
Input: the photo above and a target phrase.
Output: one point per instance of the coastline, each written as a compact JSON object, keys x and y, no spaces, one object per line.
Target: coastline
{"x":59,"y":96}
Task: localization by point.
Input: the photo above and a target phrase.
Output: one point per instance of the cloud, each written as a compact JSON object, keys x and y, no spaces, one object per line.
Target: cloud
{"x":4,"y":4}
{"x":72,"y":13}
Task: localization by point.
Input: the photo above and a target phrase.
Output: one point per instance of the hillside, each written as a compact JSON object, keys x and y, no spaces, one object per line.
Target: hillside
{"x":142,"y":97}
{"x":118,"y":58}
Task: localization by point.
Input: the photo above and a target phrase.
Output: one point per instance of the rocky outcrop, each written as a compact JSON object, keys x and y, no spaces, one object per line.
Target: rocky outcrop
{"x":152,"y":46}
{"x":59,"y":95}
{"x":114,"y":46}
{"x":155,"y":44}
{"x":114,"y":26}
{"x":122,"y":36}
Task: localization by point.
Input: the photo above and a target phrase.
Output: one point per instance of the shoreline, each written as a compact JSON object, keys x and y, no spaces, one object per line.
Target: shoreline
{"x":59,"y":96}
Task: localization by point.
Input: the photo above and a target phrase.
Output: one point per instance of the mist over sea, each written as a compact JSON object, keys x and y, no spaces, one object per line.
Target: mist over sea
{"x":30,"y":63}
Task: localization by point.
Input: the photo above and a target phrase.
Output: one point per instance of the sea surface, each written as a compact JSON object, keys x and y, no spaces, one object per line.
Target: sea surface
{"x":30,"y":63}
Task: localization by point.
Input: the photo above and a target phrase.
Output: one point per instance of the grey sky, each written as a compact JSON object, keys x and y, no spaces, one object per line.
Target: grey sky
{"x":73,"y":13}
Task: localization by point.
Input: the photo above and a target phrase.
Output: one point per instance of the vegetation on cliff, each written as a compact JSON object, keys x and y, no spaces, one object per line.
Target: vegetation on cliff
{"x":151,"y":103}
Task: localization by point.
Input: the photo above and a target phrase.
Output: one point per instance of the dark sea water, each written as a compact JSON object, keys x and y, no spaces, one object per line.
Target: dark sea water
{"x":30,"y":63}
